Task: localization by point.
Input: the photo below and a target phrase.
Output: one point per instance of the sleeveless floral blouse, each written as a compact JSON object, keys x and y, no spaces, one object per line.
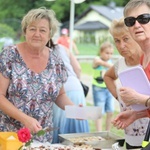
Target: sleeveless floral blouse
{"x":32,"y":93}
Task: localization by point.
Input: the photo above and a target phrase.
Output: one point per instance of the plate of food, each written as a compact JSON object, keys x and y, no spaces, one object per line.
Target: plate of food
{"x":48,"y":146}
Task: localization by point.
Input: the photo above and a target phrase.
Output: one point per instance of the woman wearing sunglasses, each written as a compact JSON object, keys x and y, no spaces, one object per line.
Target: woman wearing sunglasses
{"x":131,"y":53}
{"x":137,"y":19}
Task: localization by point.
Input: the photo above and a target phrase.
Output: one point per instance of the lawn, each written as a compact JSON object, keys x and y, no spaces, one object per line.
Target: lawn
{"x":86,"y":68}
{"x":90,"y":49}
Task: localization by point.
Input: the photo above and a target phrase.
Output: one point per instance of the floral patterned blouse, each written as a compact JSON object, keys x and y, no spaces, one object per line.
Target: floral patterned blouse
{"x":32,"y":93}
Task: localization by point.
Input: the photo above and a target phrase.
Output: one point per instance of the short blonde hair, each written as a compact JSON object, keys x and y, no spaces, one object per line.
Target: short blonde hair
{"x":118,"y":27}
{"x":133,"y":4}
{"x":105,"y":45}
{"x":41,"y":13}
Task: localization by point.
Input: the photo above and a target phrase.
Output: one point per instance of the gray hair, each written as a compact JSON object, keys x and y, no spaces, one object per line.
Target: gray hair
{"x":118,"y":27}
{"x":132,"y":4}
{"x":41,"y":13}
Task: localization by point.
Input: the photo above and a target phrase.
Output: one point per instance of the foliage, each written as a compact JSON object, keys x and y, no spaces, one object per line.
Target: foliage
{"x":6,"y":31}
{"x":62,"y":7}
{"x":16,"y":10}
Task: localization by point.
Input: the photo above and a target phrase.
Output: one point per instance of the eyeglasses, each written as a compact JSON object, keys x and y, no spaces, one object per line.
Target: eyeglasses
{"x":142,"y":19}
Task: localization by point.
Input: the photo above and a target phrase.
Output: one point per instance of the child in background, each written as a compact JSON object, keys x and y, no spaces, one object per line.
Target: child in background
{"x":101,"y":95}
{"x":65,"y":40}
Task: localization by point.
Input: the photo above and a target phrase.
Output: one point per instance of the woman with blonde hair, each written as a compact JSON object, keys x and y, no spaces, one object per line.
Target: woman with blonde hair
{"x":131,"y":52}
{"x":32,"y":77}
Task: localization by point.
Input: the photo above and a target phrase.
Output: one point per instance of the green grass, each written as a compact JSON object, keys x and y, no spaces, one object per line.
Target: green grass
{"x":86,"y":68}
{"x":90,"y":49}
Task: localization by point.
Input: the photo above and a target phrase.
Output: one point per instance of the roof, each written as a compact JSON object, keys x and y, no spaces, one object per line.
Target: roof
{"x":108,"y":12}
{"x":90,"y":25}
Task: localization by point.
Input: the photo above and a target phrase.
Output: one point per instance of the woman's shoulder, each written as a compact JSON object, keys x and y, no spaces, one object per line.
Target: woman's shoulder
{"x":120,"y":60}
{"x":9,"y":51}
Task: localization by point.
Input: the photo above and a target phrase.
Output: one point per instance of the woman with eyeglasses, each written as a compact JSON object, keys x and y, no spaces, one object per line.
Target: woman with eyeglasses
{"x":137,"y":19}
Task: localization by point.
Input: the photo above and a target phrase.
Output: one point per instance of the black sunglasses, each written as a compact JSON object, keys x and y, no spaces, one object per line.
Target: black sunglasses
{"x":142,"y":19}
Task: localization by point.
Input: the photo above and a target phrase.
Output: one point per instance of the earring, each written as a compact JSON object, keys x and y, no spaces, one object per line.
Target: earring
{"x":49,"y":44}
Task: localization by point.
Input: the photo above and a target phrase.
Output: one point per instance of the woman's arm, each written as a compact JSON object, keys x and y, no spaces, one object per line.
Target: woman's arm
{"x":110,"y":81}
{"x":99,"y":62}
{"x":75,"y":48}
{"x":75,"y":64}
{"x":8,"y":108}
{"x":125,"y":118}
{"x":62,"y":99}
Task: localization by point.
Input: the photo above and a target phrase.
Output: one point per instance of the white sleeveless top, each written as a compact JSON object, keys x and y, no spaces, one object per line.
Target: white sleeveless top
{"x":134,"y":133}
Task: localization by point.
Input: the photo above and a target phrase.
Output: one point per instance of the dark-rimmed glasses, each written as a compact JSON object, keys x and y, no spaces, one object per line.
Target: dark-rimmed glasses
{"x":142,"y":19}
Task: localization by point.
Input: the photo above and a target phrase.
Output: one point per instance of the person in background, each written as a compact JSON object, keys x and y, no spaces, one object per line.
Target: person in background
{"x":130,"y":52}
{"x":32,"y":77}
{"x":65,"y":40}
{"x":137,"y":19}
{"x":101,"y":95}
{"x":74,"y":91}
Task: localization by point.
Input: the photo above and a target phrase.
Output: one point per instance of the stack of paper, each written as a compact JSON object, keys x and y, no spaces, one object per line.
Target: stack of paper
{"x":85,"y":112}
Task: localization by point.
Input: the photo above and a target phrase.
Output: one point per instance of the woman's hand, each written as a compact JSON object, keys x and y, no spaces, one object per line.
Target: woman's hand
{"x":124,"y":119}
{"x":129,"y":96}
{"x":32,"y":124}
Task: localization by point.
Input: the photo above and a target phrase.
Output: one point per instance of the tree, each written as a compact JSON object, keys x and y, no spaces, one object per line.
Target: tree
{"x":6,"y":31}
{"x":16,"y":10}
{"x":19,"y":8}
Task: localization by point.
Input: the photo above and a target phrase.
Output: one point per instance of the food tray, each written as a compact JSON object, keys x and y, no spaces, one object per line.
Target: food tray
{"x":106,"y":142}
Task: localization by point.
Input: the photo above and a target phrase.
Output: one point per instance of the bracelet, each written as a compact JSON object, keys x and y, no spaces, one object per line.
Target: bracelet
{"x":146,"y":103}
